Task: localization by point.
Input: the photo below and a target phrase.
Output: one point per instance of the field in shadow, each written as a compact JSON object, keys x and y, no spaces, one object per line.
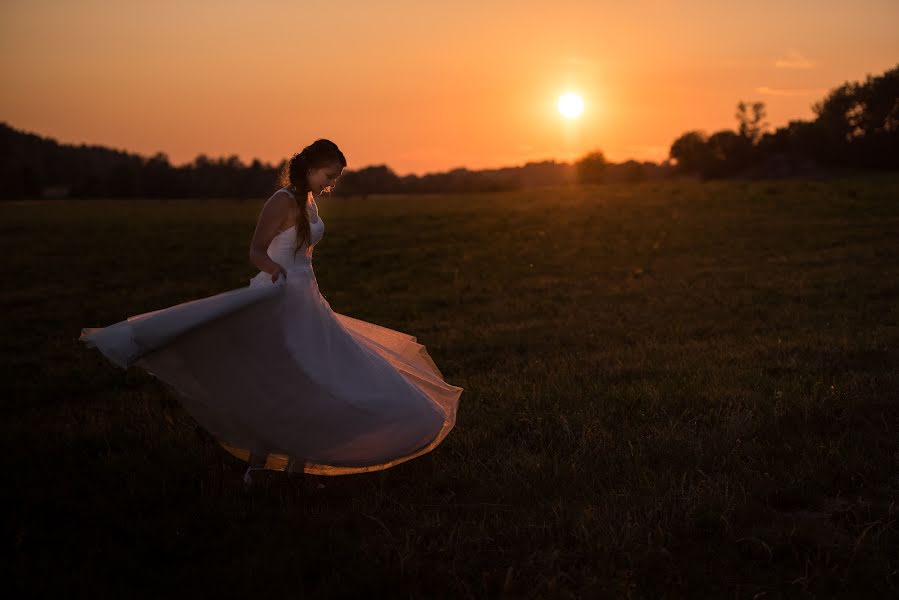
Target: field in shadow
{"x":671,"y":389}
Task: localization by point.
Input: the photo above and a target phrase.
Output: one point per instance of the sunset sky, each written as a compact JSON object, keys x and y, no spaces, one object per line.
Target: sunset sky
{"x":423,"y":86}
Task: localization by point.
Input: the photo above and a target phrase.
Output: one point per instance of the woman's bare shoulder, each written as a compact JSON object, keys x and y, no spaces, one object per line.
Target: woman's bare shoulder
{"x":281,"y":201}
{"x":280,"y":196}
{"x":277,"y":209}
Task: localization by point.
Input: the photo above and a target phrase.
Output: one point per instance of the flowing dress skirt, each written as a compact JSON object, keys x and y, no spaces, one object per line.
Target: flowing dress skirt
{"x":271,"y":370}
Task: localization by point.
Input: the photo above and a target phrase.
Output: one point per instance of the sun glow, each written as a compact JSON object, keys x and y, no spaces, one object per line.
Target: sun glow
{"x":570,"y":105}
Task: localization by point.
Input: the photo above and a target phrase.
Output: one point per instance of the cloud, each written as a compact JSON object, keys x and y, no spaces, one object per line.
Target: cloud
{"x":794,"y":60}
{"x":769,"y":91}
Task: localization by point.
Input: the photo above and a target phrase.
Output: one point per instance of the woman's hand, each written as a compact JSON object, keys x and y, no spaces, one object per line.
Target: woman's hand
{"x":279,"y":271}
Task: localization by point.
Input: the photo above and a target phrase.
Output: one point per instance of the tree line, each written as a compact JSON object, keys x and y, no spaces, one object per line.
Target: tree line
{"x":35,"y":167}
{"x":856,"y":126}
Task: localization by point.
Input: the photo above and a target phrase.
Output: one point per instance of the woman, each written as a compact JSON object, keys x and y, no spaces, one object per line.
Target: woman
{"x":280,"y":379}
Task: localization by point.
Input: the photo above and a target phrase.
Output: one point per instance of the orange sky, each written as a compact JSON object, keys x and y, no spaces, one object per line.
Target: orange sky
{"x":423,"y":86}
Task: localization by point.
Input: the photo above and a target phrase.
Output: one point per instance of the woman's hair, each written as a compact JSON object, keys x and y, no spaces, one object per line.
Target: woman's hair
{"x":319,"y":153}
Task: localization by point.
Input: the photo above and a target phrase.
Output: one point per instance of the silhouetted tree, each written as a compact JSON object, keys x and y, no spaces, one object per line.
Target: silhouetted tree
{"x":729,"y":153}
{"x":856,"y":124}
{"x":632,"y":170}
{"x":30,"y":183}
{"x":122,"y":180}
{"x":690,"y":152}
{"x":751,"y":127}
{"x":591,"y":168}
{"x":837,"y":122}
{"x":378,"y":179}
{"x":876,"y":122}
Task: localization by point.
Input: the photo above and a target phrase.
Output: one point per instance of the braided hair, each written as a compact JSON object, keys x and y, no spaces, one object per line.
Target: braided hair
{"x":293,"y":176}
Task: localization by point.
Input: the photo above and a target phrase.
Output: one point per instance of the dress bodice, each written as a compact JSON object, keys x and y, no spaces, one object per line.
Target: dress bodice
{"x":281,"y":248}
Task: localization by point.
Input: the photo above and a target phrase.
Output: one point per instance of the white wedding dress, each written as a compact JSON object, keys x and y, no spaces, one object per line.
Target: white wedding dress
{"x":272,"y":371}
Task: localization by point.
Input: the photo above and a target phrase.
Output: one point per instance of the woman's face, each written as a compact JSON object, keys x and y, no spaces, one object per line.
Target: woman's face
{"x":324,"y":178}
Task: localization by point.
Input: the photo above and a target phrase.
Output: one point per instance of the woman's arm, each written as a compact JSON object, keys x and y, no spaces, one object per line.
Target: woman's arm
{"x":274,"y":213}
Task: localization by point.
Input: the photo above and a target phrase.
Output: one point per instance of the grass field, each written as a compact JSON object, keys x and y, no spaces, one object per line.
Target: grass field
{"x":671,"y":389}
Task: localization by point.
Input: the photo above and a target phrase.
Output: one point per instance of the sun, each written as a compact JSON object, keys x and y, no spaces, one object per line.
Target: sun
{"x":570,"y":105}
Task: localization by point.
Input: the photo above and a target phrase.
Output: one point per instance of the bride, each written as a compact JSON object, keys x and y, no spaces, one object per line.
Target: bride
{"x":273,"y":373}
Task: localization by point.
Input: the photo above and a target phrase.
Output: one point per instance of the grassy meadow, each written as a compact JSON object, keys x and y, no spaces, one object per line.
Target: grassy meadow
{"x":673,"y":389}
